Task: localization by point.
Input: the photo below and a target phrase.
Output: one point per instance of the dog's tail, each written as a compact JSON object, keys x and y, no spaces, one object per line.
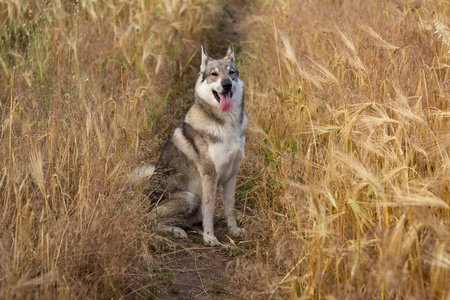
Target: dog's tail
{"x":139,"y":174}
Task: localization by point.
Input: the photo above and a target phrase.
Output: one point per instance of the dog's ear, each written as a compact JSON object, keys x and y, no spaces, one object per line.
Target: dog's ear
{"x":230,"y":53}
{"x":205,"y":59}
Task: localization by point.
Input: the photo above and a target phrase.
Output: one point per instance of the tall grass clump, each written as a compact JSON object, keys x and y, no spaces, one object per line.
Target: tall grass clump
{"x":85,"y":85}
{"x":350,"y":140}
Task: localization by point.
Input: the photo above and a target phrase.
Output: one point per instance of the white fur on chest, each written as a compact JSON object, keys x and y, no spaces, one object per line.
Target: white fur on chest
{"x":226,"y":155}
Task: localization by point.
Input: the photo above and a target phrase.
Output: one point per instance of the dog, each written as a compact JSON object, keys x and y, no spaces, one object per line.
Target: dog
{"x":203,"y":153}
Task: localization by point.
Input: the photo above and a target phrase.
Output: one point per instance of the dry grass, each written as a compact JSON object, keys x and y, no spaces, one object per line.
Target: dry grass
{"x":85,"y":86}
{"x":347,"y":173}
{"x":351,"y":114}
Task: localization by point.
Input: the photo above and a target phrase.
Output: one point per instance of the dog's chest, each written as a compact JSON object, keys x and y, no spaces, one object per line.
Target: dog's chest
{"x":226,"y":155}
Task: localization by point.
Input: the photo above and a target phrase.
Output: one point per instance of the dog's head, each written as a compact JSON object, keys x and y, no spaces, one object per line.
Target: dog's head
{"x":218,"y":79}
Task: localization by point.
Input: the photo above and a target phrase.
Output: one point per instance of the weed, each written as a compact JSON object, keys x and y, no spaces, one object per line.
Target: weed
{"x":216,"y":288}
{"x":197,"y":240}
{"x":230,"y":251}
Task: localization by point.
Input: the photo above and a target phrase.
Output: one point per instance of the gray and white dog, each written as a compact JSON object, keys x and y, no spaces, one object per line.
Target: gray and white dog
{"x":204,"y":153}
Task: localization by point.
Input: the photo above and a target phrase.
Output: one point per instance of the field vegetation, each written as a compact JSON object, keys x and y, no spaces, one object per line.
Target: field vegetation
{"x":345,"y":189}
{"x":349,"y":106}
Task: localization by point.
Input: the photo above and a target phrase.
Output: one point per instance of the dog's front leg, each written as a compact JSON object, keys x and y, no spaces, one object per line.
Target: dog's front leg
{"x":209,"y":189}
{"x":229,"y":190}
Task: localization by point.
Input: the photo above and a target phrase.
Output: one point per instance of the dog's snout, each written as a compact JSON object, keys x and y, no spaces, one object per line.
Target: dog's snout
{"x":227,"y":85}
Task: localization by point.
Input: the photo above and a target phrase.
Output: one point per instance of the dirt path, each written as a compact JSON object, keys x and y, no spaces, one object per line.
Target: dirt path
{"x":199,"y":272}
{"x":196,"y":271}
{"x":227,"y":29}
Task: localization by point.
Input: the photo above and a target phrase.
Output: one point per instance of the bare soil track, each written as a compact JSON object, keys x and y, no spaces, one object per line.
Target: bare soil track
{"x":199,"y":272}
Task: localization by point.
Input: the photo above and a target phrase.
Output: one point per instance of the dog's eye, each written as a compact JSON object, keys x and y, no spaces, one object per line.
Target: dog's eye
{"x":214,"y":74}
{"x":232,"y":72}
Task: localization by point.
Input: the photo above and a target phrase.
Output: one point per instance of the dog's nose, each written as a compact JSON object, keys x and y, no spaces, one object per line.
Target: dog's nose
{"x":227,"y":85}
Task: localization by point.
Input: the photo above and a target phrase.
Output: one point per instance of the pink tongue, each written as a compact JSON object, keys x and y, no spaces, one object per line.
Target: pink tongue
{"x":226,"y":103}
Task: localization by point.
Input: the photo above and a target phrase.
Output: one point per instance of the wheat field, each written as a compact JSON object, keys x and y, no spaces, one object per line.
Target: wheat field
{"x":345,"y":189}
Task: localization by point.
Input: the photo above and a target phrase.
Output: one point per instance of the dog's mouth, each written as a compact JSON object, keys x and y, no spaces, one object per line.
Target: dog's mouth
{"x":225,"y":100}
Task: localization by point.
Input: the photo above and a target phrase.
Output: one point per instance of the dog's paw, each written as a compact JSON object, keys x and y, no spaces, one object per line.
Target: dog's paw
{"x":211,"y":241}
{"x":237,"y":232}
{"x":179,"y":233}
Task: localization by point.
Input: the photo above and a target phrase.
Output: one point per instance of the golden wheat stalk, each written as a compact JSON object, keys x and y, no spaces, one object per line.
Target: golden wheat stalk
{"x":443,"y":33}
